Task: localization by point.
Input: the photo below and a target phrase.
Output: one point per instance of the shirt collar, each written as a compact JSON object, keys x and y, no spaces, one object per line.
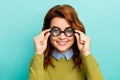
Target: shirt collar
{"x":66,"y":55}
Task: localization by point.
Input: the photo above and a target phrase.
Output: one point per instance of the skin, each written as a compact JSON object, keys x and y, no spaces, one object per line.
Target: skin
{"x":62,"y":43}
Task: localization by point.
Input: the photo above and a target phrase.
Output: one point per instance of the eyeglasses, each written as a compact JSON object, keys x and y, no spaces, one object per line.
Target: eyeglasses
{"x":56,"y":31}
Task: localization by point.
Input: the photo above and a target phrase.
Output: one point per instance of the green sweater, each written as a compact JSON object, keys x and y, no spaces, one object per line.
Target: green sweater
{"x":64,"y":70}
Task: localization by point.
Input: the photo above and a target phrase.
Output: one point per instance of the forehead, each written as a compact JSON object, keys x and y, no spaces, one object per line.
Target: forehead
{"x":59,"y":22}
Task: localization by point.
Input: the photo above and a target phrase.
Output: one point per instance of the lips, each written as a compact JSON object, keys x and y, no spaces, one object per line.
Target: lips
{"x":62,"y":43}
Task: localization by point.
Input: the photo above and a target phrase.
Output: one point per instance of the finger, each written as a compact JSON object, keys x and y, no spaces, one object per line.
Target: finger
{"x":78,"y":41}
{"x":87,"y":43}
{"x":77,"y":37}
{"x":46,"y":36}
{"x":82,"y":36}
{"x":41,"y":36}
{"x":79,"y":32}
{"x":45,"y":31}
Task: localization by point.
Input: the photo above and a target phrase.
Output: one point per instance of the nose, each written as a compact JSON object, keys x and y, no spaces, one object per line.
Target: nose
{"x":62,"y":36}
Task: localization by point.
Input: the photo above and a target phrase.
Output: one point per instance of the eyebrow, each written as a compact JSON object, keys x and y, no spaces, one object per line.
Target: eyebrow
{"x":59,"y":27}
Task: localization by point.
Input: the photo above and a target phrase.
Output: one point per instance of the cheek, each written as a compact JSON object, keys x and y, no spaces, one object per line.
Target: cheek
{"x":72,"y":40}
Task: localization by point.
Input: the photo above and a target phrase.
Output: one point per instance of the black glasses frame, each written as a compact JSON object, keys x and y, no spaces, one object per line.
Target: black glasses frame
{"x":52,"y":34}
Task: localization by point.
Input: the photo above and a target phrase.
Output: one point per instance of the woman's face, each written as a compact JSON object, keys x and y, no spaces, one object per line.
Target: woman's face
{"x":61,"y":43}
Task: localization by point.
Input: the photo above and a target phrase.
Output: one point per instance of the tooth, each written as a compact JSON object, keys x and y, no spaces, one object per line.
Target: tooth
{"x":62,"y":43}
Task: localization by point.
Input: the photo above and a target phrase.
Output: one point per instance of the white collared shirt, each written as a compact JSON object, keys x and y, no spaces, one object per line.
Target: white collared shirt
{"x":66,"y":55}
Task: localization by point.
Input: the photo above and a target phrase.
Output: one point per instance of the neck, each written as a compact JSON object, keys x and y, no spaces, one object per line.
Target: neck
{"x":63,"y":52}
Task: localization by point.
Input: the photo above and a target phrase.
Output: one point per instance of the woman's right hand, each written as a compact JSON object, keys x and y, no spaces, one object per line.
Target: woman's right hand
{"x":41,"y":41}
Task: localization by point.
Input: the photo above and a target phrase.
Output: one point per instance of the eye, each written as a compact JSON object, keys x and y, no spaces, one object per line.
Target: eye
{"x":55,"y":31}
{"x":69,"y":30}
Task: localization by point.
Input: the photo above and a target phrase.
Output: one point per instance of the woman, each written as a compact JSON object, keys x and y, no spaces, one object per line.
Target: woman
{"x":63,"y":49}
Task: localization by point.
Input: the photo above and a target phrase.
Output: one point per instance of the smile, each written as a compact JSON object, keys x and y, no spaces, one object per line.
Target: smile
{"x":62,"y":43}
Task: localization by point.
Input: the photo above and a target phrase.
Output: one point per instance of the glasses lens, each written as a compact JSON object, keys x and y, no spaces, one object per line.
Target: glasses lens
{"x":55,"y":31}
{"x":69,"y":32}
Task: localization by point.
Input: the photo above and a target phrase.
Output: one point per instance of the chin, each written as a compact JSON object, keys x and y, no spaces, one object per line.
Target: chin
{"x":62,"y":49}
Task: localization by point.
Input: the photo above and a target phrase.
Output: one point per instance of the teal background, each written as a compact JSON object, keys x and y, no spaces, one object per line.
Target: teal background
{"x":21,"y":20}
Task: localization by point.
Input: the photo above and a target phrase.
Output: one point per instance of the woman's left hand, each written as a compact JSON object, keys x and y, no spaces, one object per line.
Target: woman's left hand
{"x":83,"y":42}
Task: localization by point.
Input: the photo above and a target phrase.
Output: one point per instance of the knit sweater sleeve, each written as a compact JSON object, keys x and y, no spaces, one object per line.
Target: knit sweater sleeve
{"x":36,"y":70}
{"x":92,"y":68}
